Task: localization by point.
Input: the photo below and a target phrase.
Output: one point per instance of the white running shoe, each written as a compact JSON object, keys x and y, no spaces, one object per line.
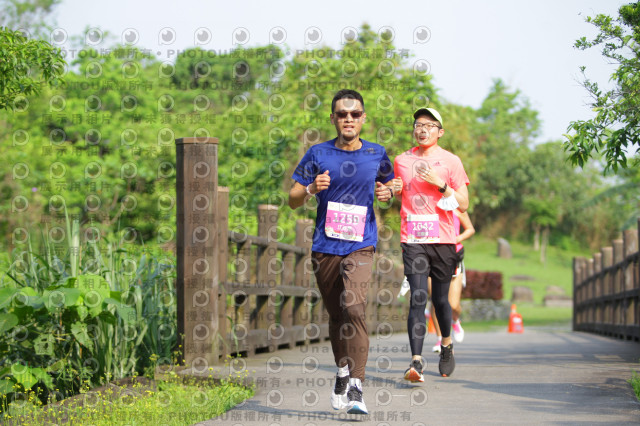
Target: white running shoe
{"x":458,"y":331}
{"x":339,"y":393}
{"x":436,"y":348}
{"x":355,"y":403}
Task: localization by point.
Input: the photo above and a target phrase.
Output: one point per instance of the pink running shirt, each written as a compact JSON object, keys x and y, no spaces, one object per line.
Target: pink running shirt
{"x":422,"y":222}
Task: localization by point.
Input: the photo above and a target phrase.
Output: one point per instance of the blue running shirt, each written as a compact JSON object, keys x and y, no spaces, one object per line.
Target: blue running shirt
{"x":353,"y":180}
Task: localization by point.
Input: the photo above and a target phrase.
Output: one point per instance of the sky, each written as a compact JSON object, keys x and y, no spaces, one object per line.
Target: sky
{"x":468,"y":44}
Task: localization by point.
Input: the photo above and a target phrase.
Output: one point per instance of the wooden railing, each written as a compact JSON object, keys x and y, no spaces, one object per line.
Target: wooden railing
{"x":242,"y":294}
{"x":606,"y":289}
{"x":269,"y":299}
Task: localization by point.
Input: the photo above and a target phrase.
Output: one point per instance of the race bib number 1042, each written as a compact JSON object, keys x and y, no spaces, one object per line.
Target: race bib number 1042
{"x":423,"y":228}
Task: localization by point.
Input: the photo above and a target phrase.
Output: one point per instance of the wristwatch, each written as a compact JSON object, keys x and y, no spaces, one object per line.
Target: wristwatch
{"x":443,"y":189}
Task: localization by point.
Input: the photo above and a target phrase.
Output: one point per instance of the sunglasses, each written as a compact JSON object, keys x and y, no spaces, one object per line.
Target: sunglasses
{"x":354,"y":114}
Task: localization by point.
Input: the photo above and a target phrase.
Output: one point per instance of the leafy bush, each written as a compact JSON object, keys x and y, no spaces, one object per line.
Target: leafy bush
{"x":82,"y":315}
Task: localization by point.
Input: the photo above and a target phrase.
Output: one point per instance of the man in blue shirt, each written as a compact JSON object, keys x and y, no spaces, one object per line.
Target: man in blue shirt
{"x":344,"y":174}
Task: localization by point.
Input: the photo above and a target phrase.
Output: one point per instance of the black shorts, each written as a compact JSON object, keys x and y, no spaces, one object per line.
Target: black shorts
{"x":437,"y":261}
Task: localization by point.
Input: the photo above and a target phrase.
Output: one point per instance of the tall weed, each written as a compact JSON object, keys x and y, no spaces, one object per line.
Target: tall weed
{"x":82,"y":310}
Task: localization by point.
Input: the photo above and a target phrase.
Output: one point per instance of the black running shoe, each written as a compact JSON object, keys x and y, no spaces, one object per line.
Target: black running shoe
{"x":339,"y":394}
{"x":356,"y":404}
{"x":414,"y":372}
{"x":447,"y":362}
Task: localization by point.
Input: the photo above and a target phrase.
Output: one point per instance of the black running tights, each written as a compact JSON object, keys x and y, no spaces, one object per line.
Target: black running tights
{"x":416,"y":324}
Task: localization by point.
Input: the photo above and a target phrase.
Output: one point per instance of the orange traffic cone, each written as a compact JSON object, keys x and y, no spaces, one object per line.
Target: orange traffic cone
{"x":431,"y":329}
{"x":515,"y":321}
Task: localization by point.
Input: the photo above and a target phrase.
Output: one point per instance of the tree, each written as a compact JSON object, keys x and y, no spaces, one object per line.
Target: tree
{"x":27,"y":65}
{"x":550,"y":189}
{"x":29,"y":15}
{"x":506,"y":126}
{"x":104,"y":141}
{"x":622,"y":197}
{"x":615,"y":130}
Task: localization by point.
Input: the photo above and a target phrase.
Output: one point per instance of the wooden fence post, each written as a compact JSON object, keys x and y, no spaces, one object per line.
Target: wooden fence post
{"x":304,"y":278}
{"x":630,"y":242}
{"x":630,"y":246}
{"x":288,"y":300}
{"x":223,"y":259}
{"x":240,"y":299}
{"x":607,"y":288}
{"x":588,"y":276}
{"x":618,"y":284}
{"x":579,"y":292}
{"x":595,"y":289}
{"x":576,"y":296}
{"x":197,"y":262}
{"x":304,"y":239}
{"x":265,"y":312}
{"x":618,"y":256}
{"x":595,"y":285}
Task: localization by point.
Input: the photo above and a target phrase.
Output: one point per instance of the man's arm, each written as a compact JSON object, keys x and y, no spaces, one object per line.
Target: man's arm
{"x":385,"y":192}
{"x":298,"y":192}
{"x":297,"y":195}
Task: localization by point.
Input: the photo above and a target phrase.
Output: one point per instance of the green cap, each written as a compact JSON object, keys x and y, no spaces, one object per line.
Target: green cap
{"x":428,"y":111}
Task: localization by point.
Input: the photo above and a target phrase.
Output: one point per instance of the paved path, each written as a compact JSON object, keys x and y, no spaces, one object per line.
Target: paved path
{"x":544,"y":376}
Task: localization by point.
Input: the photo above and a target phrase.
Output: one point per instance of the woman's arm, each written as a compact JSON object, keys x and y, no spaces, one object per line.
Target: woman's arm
{"x":469,"y":230}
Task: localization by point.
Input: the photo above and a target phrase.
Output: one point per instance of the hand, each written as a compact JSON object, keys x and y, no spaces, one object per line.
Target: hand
{"x":397,"y":185}
{"x":429,"y":175}
{"x":321,"y":183}
{"x":383,"y":193}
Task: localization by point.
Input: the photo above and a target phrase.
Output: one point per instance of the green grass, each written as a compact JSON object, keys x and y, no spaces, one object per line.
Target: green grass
{"x":481,"y":255}
{"x":634,"y":381}
{"x":173,"y":402}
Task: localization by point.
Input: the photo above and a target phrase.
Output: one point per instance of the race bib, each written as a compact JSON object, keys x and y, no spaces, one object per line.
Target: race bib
{"x":345,"y":221}
{"x":423,"y":228}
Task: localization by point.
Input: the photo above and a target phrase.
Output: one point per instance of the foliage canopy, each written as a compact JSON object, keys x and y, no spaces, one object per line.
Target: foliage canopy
{"x":26,"y":65}
{"x":615,"y":130}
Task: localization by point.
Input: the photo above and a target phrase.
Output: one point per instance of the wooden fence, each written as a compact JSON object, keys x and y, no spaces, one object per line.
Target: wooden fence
{"x":606,"y":289}
{"x":240,"y":293}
